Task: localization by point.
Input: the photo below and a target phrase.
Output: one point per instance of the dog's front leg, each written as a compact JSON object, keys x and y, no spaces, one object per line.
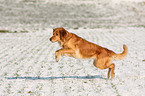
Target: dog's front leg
{"x":60,"y":52}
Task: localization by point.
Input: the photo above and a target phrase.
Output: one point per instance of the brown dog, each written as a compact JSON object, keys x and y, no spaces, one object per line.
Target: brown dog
{"x":77,"y":47}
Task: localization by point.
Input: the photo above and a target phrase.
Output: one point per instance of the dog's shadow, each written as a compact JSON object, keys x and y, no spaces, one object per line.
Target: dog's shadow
{"x":53,"y":77}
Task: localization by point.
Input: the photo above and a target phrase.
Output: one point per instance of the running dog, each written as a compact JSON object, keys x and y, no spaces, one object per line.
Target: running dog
{"x":77,"y":47}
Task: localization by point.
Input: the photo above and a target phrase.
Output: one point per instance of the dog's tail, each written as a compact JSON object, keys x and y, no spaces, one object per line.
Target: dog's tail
{"x":121,"y":55}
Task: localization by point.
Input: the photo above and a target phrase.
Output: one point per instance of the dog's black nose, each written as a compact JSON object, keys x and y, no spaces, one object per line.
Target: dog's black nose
{"x":50,"y":39}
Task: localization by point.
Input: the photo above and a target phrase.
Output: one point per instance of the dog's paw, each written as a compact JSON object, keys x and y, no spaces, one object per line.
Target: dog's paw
{"x":57,"y":56}
{"x":56,"y":53}
{"x":57,"y":59}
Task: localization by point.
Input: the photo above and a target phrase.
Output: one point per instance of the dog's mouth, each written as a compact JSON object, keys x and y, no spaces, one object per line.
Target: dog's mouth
{"x":52,"y":41}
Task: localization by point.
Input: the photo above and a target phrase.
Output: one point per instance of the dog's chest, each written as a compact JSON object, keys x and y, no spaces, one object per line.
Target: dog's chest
{"x":68,"y":45}
{"x":74,"y":47}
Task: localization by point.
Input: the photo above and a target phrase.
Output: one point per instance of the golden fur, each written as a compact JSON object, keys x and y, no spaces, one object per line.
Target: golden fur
{"x":77,"y":47}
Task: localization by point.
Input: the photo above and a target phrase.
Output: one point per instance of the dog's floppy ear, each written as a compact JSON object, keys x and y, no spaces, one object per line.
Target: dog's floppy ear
{"x":54,"y":30}
{"x":63,"y":34}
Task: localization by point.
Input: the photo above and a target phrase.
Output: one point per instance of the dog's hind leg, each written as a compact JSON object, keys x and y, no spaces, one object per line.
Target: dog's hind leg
{"x":109,"y":73}
{"x":104,"y":63}
{"x":111,"y":70}
{"x":112,"y":67}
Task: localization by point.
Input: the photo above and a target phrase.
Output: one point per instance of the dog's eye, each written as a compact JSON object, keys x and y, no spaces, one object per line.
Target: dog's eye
{"x":56,"y":34}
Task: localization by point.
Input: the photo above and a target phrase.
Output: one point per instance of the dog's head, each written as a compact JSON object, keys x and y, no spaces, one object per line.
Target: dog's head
{"x":59,"y":34}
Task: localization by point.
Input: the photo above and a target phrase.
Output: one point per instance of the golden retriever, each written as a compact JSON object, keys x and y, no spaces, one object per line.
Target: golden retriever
{"x":77,"y":47}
